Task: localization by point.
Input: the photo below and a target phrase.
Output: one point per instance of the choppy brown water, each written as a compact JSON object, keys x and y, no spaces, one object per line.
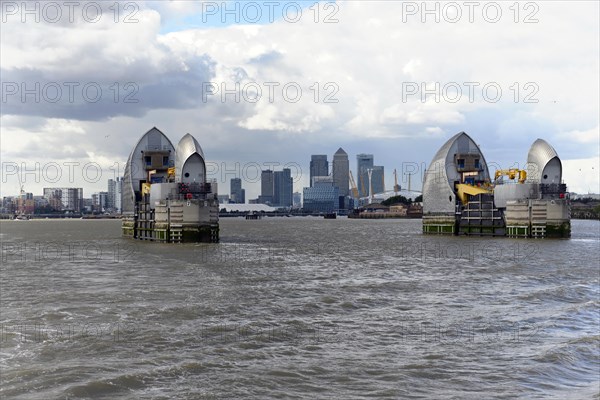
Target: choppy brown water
{"x":297,"y":308}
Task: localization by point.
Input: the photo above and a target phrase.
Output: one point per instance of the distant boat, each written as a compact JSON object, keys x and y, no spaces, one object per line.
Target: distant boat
{"x":330,"y":216}
{"x":253,"y":215}
{"x":21,"y":217}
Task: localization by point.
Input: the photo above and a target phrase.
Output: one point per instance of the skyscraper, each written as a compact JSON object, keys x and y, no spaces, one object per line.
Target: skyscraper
{"x":341,"y":172}
{"x":318,"y":166}
{"x":266,"y":187}
{"x":110,"y":201}
{"x":65,"y":199}
{"x":283,"y":188}
{"x":377,"y":179}
{"x":115,"y":191}
{"x":103,"y":201}
{"x":119,"y":195}
{"x":238,"y":195}
{"x":363,"y":163}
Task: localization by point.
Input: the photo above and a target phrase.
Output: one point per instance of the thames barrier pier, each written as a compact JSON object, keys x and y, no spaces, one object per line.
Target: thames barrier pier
{"x":460,"y":198}
{"x":166,"y":196}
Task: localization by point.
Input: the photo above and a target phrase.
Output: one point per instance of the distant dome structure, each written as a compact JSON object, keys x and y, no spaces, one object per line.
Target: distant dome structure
{"x":543,"y":164}
{"x":189,"y":161}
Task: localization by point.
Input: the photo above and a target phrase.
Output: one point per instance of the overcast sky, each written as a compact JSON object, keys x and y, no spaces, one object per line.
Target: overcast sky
{"x":504,"y":74}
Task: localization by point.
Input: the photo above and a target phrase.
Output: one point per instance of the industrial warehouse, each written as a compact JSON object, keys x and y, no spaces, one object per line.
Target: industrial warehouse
{"x":460,"y":198}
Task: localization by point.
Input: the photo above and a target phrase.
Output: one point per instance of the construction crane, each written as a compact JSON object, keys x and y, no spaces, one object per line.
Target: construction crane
{"x":512,"y":174}
{"x":22,"y":196}
{"x":353,"y":187}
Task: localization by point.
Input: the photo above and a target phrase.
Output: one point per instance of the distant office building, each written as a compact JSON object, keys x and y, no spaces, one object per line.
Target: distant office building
{"x":54,"y":197}
{"x":318,"y":166}
{"x":327,"y":180}
{"x":40,"y":202}
{"x":115,"y":191}
{"x":341,"y":172}
{"x":276,"y":188}
{"x":88,"y":205}
{"x":119,"y":196}
{"x":64,"y":199}
{"x":363,"y":163}
{"x":322,"y":198}
{"x":112,"y":190}
{"x":112,"y":194}
{"x":223,"y":198}
{"x":95,"y":203}
{"x":377,"y":179}
{"x":283,"y":188}
{"x":266,"y":187}
{"x":25,"y":203}
{"x":9,"y":205}
{"x":103,"y":201}
{"x":238,"y":195}
{"x":297,"y":200}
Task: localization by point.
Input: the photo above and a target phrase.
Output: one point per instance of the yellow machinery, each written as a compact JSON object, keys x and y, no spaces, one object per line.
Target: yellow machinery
{"x":146,"y":185}
{"x":512,"y":174}
{"x":463,"y":189}
{"x":353,"y":186}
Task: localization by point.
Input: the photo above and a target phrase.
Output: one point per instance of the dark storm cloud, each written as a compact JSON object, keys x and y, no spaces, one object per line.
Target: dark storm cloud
{"x":35,"y":92}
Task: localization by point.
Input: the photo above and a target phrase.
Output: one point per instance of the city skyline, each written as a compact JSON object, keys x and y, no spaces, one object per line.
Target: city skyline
{"x":223,"y":173}
{"x":252,"y":186}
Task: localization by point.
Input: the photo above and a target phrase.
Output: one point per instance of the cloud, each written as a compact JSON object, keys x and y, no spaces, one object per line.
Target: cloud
{"x":352,"y":75}
{"x":582,"y":175}
{"x":589,"y":136}
{"x":95,"y":71}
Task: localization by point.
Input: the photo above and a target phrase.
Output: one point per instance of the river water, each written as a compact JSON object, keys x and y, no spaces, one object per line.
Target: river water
{"x":297,"y":308}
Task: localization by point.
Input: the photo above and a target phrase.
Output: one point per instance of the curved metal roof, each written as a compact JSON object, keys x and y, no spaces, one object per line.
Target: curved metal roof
{"x":128,"y":202}
{"x":187,"y":146}
{"x":438,"y":192}
{"x":435,"y":185}
{"x":540,"y":154}
{"x":154,"y":129}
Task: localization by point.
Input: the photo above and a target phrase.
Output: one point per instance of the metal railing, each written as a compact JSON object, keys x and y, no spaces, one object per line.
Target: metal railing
{"x":158,"y":148}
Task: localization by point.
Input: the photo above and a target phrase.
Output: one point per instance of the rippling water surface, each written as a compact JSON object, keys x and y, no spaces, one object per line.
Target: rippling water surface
{"x":297,"y":308}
